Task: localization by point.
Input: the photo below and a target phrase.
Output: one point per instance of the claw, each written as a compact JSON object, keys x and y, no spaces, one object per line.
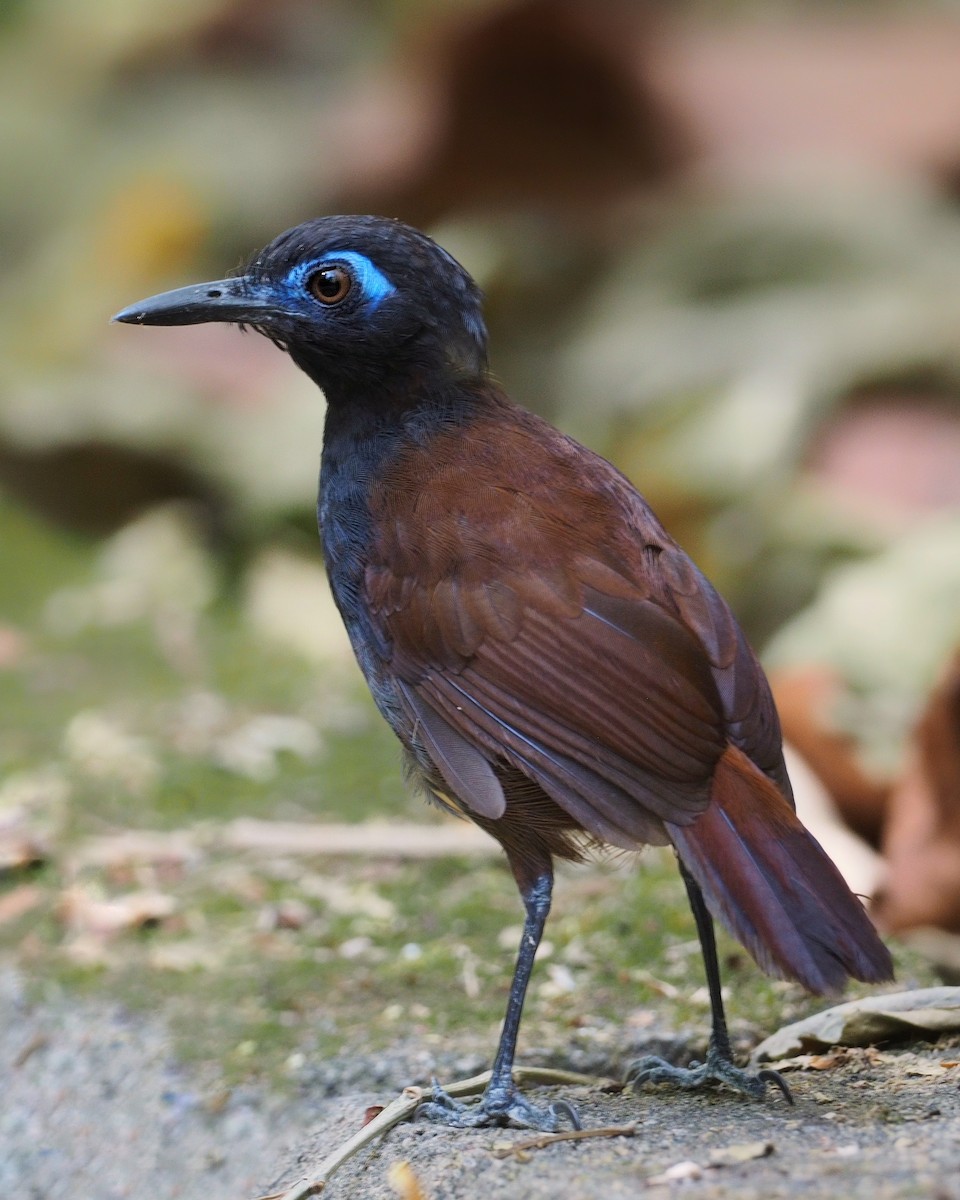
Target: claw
{"x":717,"y":1069}
{"x":565,"y":1107}
{"x":777,"y":1080}
{"x":499,"y":1106}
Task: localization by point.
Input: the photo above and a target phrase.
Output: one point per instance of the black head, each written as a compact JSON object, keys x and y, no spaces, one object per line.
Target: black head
{"x":353,"y":299}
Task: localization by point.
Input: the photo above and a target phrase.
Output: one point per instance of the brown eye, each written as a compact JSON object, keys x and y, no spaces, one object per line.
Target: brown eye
{"x":330,"y":285}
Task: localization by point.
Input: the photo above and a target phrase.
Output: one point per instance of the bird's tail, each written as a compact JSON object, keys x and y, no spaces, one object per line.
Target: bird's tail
{"x":773,"y":886}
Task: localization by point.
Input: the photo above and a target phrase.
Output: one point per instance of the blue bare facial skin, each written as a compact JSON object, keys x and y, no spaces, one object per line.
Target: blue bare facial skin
{"x":554,"y":665}
{"x":373,"y":285}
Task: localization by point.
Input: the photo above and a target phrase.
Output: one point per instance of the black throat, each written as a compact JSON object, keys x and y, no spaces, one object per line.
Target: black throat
{"x":369,"y":422}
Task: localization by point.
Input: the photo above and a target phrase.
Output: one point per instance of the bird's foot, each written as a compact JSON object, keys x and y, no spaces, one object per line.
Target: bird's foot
{"x":502,"y":1104}
{"x":717,"y":1069}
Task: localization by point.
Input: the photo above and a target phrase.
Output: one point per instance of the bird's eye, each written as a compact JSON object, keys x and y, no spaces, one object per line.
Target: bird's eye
{"x":330,"y":285}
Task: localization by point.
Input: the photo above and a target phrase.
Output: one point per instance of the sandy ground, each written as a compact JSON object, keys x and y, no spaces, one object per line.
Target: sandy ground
{"x":95,"y":1109}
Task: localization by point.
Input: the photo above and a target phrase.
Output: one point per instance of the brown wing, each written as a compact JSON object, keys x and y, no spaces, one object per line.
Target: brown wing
{"x":548,"y":621}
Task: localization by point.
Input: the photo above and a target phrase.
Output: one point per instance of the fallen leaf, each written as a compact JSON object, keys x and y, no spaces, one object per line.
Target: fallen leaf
{"x":923,"y":1068}
{"x":921,"y":836}
{"x":925,"y":1012}
{"x":19,"y":902}
{"x":19,"y":850}
{"x":86,"y":913}
{"x":730,"y":1156}
{"x":826,"y":1062}
{"x":678,"y":1173}
{"x":817,"y":1062}
{"x":403,"y":1181}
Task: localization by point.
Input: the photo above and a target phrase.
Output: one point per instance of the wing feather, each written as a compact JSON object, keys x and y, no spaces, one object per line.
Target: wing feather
{"x":554,"y":625}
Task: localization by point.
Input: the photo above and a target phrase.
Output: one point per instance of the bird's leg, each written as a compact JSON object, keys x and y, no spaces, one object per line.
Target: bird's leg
{"x":719,"y":1066}
{"x":502,"y":1103}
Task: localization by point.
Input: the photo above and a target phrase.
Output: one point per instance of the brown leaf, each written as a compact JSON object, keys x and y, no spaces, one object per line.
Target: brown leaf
{"x":806,"y":697}
{"x":924,"y":1068}
{"x":19,"y":850}
{"x":405,"y":1183}
{"x":730,"y":1156}
{"x":826,"y":1062}
{"x":83,"y":912}
{"x":921,"y":839}
{"x":20,"y":901}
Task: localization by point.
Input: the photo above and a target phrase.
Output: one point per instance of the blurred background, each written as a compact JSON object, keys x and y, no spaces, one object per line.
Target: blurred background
{"x":720,"y":244}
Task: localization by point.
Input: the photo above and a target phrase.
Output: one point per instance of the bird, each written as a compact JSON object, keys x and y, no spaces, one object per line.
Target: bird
{"x":555,"y":666}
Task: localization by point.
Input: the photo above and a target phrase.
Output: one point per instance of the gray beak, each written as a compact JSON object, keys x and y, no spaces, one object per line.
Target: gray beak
{"x":231,"y":300}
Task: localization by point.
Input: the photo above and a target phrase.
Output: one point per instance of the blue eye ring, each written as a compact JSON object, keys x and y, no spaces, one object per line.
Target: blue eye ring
{"x":330,"y":285}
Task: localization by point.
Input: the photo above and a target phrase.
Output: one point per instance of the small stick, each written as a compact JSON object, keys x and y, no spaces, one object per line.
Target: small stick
{"x":404,"y":1107}
{"x":566,"y":1135}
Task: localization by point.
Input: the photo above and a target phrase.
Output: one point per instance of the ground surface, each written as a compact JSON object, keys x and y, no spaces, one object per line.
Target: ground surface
{"x":97,"y":1108}
{"x":196,"y":1007}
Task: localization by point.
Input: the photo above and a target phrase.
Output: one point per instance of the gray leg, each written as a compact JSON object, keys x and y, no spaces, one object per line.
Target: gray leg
{"x":719,"y":1067}
{"x":502,"y":1103}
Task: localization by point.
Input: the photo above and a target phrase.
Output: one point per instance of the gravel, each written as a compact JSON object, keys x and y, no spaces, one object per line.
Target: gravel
{"x":95,"y":1108}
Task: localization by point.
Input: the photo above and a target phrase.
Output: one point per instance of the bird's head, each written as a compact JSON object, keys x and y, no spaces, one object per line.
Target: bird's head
{"x":352,"y":299}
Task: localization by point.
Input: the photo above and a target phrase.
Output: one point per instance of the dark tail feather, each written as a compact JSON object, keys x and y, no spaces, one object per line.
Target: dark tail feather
{"x":773,"y":886}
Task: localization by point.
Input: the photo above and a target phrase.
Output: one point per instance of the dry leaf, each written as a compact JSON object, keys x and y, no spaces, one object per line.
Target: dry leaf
{"x":924,"y":1068}
{"x":926,"y":1012}
{"x":731,"y":1156}
{"x":403,"y":1181}
{"x":85,"y":913}
{"x":678,"y":1173}
{"x":921,"y":836}
{"x":19,"y":850}
{"x":826,"y":1062}
{"x":19,"y":902}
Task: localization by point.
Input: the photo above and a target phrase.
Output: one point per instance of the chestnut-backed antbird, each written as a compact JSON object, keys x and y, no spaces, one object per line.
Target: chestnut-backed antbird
{"x":556,"y":667}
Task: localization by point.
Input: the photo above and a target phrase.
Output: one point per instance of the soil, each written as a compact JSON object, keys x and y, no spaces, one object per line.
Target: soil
{"x":96,"y":1108}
